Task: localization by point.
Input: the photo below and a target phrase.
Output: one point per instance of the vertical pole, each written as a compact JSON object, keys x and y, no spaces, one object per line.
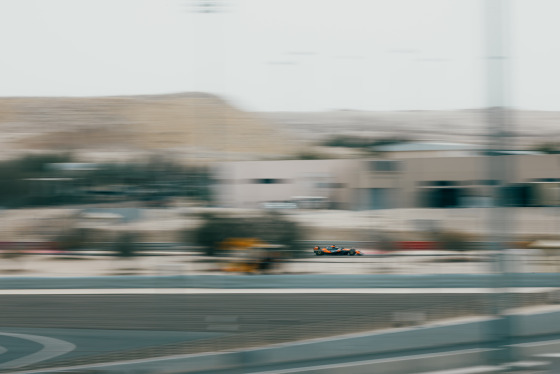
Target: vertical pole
{"x":499,"y":173}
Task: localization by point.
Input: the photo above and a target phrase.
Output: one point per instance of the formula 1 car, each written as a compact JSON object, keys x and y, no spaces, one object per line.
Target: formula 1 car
{"x":335,"y":251}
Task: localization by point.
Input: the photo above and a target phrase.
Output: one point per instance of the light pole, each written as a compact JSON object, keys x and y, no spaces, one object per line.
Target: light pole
{"x":499,"y":169}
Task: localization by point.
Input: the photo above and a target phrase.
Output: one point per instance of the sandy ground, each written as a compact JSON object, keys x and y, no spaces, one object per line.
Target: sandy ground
{"x":360,"y":227}
{"x":164,"y":224}
{"x":415,"y":262}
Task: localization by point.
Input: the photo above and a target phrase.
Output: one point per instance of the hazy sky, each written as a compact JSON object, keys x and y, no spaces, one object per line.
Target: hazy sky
{"x":277,"y":54}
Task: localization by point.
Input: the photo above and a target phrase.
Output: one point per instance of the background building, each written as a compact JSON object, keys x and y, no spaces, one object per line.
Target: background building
{"x":368,"y":184}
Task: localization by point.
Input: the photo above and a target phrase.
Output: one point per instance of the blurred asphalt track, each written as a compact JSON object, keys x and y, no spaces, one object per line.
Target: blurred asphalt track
{"x":106,"y":328}
{"x":53,"y":330}
{"x":53,"y":321}
{"x":319,"y":281}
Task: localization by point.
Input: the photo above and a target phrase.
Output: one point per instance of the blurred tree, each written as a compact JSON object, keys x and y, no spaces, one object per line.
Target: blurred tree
{"x":17,"y":185}
{"x":386,"y":242}
{"x":309,"y":155}
{"x":453,"y":240}
{"x":72,"y":239}
{"x":16,"y":256}
{"x":30,"y":181}
{"x":125,"y":246}
{"x":351,"y":141}
{"x":272,"y":228}
{"x":547,"y":147}
{"x":153,"y":180}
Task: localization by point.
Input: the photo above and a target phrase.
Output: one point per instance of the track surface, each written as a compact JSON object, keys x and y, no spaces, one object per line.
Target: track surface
{"x":194,"y":312}
{"x":104,"y":328}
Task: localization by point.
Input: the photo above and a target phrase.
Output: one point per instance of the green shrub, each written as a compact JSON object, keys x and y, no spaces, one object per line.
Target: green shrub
{"x":272,"y":228}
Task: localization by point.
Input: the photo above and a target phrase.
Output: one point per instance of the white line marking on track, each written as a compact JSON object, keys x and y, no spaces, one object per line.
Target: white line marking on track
{"x":120,"y":291}
{"x":347,"y":365}
{"x":51,"y":348}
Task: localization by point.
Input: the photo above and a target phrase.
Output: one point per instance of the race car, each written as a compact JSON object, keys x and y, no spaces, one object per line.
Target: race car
{"x":335,"y":251}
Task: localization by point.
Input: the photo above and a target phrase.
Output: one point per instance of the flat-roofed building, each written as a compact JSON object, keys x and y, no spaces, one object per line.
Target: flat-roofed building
{"x":257,"y":184}
{"x":367,"y":184}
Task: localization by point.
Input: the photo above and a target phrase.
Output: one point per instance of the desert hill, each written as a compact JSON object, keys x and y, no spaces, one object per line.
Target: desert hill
{"x":201,"y":127}
{"x":527,"y":128}
{"x":195,"y":125}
